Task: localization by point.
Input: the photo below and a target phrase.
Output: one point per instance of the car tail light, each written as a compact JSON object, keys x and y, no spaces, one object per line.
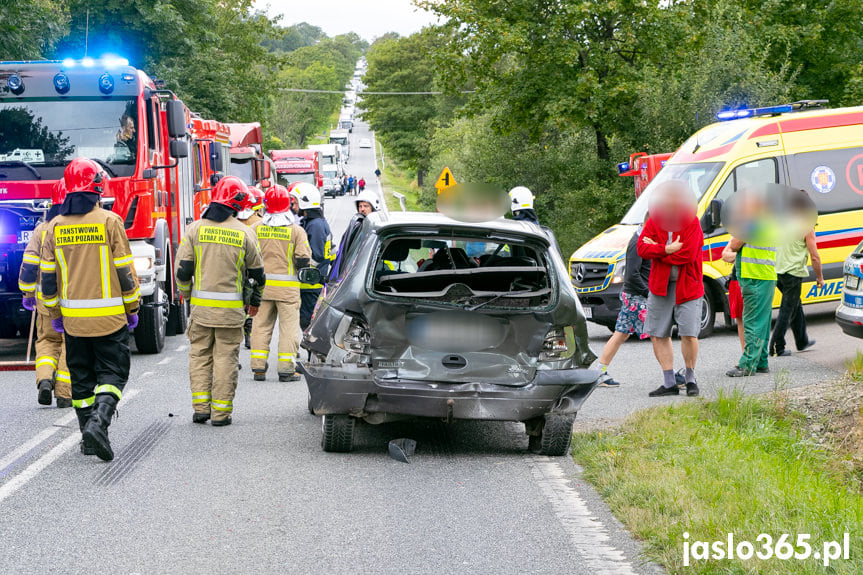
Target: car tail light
{"x":355,"y":337}
{"x":554,"y":346}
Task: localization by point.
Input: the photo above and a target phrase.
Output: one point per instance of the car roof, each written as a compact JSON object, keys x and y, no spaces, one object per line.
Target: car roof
{"x":381,"y":221}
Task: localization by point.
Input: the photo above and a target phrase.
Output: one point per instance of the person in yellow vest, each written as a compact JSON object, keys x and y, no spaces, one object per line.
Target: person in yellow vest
{"x":285,"y":249}
{"x":752,"y":249}
{"x":91,"y":289}
{"x":216,"y":255}
{"x":52,"y":374}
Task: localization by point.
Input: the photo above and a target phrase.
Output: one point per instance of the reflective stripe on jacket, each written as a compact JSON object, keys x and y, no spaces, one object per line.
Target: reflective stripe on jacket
{"x":219,"y":254}
{"x":29,"y":277}
{"x":87,"y":273}
{"x":281,"y":246}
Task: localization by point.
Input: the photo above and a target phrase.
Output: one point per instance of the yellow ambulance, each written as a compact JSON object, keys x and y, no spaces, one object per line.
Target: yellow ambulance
{"x":801,"y":144}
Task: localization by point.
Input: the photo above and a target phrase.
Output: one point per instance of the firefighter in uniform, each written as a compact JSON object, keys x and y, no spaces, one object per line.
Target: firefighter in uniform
{"x":522,"y":204}
{"x":215,"y":256}
{"x":90,"y":286}
{"x":285,"y":249}
{"x":252,"y":208}
{"x":320,"y":240}
{"x":52,"y":374}
{"x":250,"y":214}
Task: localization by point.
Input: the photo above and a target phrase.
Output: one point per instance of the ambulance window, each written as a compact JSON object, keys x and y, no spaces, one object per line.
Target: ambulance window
{"x":764,"y":171}
{"x":833,"y":178}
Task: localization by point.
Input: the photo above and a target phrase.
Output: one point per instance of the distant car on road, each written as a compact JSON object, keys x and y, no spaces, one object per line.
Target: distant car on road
{"x":365,"y":143}
{"x":849,"y":314}
{"x":425,"y":316}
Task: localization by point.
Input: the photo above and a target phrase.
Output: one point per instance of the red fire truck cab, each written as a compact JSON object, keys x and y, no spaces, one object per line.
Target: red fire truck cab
{"x":247,"y":154}
{"x":298,"y":166}
{"x":106,"y":110}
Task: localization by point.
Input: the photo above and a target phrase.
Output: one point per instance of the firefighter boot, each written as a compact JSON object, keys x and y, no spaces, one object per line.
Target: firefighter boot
{"x":45,"y":387}
{"x":83,"y":414}
{"x":96,"y":430}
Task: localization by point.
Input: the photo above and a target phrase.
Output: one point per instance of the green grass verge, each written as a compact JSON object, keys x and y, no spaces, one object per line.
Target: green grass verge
{"x":394,"y":178}
{"x":736,"y":465}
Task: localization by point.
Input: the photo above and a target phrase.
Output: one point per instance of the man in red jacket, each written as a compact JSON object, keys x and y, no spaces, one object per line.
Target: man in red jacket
{"x":672,"y":239}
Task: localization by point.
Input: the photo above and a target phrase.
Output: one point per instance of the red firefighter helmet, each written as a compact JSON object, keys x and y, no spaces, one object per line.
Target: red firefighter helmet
{"x":58,"y":193}
{"x":230,"y":191}
{"x":255,"y":199}
{"x":278,"y":199}
{"x":84,"y":175}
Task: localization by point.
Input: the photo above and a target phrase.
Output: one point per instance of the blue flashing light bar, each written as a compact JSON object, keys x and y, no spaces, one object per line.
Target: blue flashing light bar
{"x":622,"y":167}
{"x":726,"y":115}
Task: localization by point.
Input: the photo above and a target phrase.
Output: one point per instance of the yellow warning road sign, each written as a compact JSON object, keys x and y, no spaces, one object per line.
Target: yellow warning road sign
{"x":445,"y":180}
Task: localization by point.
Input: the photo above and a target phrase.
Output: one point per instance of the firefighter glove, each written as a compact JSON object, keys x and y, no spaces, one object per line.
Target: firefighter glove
{"x":253,"y":310}
{"x":29,"y":303}
{"x":132,"y":319}
{"x":57,"y":324}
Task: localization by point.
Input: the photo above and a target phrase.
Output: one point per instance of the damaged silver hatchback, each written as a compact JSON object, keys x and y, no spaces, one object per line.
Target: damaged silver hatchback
{"x":425,"y":316}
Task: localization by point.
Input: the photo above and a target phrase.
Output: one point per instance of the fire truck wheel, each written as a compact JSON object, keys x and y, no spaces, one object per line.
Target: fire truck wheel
{"x":152,"y":323}
{"x":178,"y":320}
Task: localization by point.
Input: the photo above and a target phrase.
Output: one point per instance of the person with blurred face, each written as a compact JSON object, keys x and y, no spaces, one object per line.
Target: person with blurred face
{"x":752,"y":249}
{"x":791,"y":270}
{"x":672,"y":240}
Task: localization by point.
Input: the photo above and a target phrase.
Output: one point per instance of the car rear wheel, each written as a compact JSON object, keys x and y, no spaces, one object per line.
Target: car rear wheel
{"x":708,"y":314}
{"x":555,"y":437}
{"x":337,"y":433}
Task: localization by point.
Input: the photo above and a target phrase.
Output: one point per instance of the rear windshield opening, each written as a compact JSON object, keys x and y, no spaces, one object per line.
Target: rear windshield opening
{"x":465,"y":273}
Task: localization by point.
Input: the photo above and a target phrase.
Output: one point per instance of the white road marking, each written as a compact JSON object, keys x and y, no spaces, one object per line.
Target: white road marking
{"x":146,"y":374}
{"x":36,"y":440}
{"x":166,"y":361}
{"x":183,"y":347}
{"x":32,"y":470}
{"x":589,"y":536}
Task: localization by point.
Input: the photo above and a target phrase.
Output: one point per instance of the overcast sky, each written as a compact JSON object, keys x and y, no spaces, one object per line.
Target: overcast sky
{"x":368,"y":18}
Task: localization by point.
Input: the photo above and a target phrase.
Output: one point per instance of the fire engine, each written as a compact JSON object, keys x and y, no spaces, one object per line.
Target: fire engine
{"x":113,"y":113}
{"x":298,"y":166}
{"x":642,"y":167}
{"x":210,"y":145}
{"x":247,"y":154}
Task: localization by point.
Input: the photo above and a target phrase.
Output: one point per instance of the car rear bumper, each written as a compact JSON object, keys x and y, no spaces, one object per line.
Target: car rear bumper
{"x":355,"y":391}
{"x":850,"y":320}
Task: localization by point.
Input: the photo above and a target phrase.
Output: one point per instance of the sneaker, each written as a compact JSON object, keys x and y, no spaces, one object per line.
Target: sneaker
{"x":679,"y":378}
{"x":808,"y":345}
{"x":783,"y":353}
{"x":607,"y":381}
{"x":200,"y":417}
{"x":662,"y":391}
{"x":260,"y":375}
{"x":45,"y":387}
{"x":63,"y":402}
{"x":739,"y":372}
{"x":221,"y":422}
{"x":764,"y":369}
{"x":283,"y":377}
{"x":692,"y":389}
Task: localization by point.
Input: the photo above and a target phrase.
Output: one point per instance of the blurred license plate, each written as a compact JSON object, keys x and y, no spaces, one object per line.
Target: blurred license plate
{"x":24,"y":236}
{"x":852,"y":282}
{"x":588,"y":312}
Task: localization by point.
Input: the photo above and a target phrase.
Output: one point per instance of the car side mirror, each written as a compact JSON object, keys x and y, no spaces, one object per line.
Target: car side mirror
{"x":712,"y":218}
{"x":175,"y":111}
{"x":265,"y":172}
{"x":266,"y":184}
{"x":310,"y":276}
{"x":214,"y":178}
{"x":178,"y":149}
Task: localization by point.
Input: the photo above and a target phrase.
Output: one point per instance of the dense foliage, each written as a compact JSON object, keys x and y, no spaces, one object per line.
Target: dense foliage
{"x":566,"y":89}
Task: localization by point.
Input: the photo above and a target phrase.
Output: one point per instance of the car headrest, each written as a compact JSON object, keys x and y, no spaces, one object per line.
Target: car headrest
{"x":399,"y":250}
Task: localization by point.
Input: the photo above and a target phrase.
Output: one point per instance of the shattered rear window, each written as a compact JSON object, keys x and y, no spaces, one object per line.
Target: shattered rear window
{"x":463,"y":272}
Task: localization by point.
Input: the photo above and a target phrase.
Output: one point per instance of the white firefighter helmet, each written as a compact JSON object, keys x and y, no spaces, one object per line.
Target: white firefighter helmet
{"x":307,"y":195}
{"x":522,"y":199}
{"x":370,"y":198}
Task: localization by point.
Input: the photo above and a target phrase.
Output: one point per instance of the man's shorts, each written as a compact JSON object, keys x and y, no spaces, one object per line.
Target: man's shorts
{"x":735,"y":299}
{"x":633,"y":312}
{"x":662,"y":313}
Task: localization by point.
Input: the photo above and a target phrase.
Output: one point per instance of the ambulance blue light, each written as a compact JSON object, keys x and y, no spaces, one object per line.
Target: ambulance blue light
{"x":726,"y":115}
{"x":61,"y":83}
{"x":106,"y":83}
{"x":15,"y":84}
{"x":622,"y":167}
{"x":88,"y":62}
{"x":111,"y":61}
{"x":69,"y":63}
